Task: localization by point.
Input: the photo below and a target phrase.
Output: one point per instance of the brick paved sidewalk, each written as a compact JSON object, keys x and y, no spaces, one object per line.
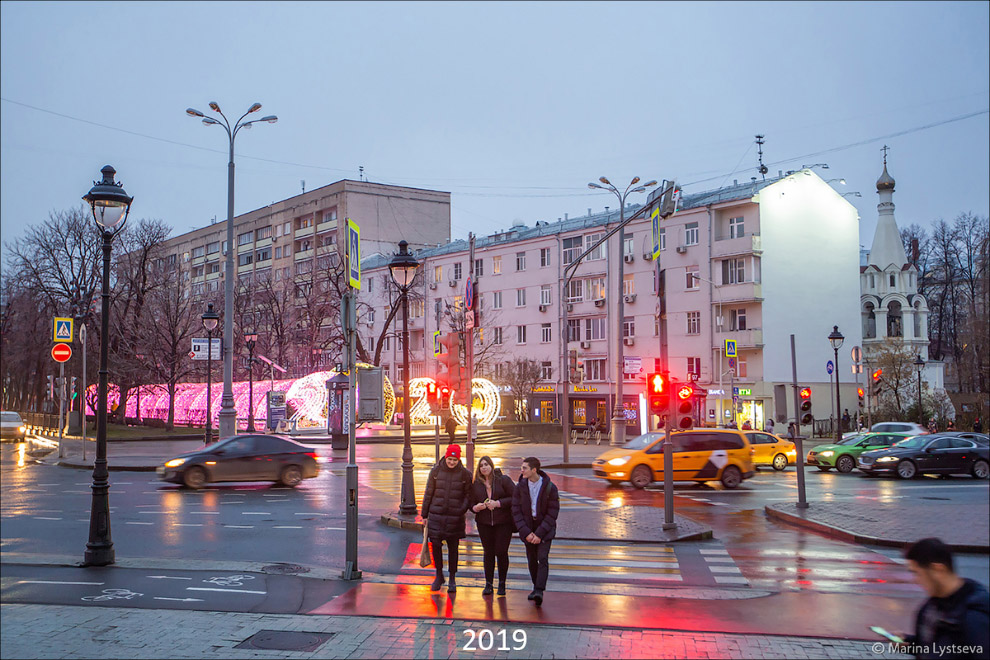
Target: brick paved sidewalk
{"x":964,"y":526}
{"x":45,"y":631}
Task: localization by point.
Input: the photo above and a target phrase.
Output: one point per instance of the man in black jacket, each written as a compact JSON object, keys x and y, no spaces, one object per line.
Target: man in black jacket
{"x":535,"y":505}
{"x":955,"y":621}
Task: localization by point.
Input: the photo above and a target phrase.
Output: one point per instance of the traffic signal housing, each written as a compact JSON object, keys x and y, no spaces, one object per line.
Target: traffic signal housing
{"x":431,"y":396}
{"x":685,"y":406}
{"x":450,"y":361}
{"x":806,"y":415}
{"x":658,"y":394}
{"x":443,"y":397}
{"x":860,"y":393}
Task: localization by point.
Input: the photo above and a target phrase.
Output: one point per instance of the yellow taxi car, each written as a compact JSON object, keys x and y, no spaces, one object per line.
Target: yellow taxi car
{"x":700,"y":455}
{"x":769,"y":449}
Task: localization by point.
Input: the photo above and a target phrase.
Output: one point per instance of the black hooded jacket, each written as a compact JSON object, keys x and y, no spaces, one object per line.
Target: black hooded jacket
{"x":446,"y":500}
{"x":944,"y":625}
{"x":544,"y":524}
{"x":502,"y":489}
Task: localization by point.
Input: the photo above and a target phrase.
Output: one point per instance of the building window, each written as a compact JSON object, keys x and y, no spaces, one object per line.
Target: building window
{"x":546,"y":333}
{"x":571,"y":249}
{"x":457,"y":271}
{"x":594,"y":328}
{"x":417,"y":308}
{"x":628,"y":284}
{"x":264,"y":232}
{"x":546,"y":371}
{"x":520,"y":297}
{"x":627,"y":246}
{"x":691,"y":233}
{"x":694,"y":365}
{"x":304,"y":267}
{"x":496,"y":300}
{"x":278,"y":252}
{"x":596,"y":288}
{"x":598,"y":253}
{"x":326,"y":240}
{"x":330,"y":215}
{"x":663,"y":238}
{"x":438,"y":273}
{"x":497,"y":336}
{"x":264,"y":254}
{"x":198,"y":271}
{"x":437,"y":307}
{"x":520,"y":261}
{"x":286,"y":228}
{"x":575,"y":289}
{"x":303,"y":223}
{"x":214,"y":267}
{"x":573,"y":329}
{"x":691,"y":277}
{"x":741,"y":366}
{"x":546,"y":295}
{"x":594,"y":369}
{"x":736,"y":227}
{"x":479,"y":267}
{"x":245,"y":238}
{"x":287,"y":251}
{"x":496,"y":265}
{"x":198,"y":252}
{"x":893,"y":281}
{"x":371,"y":284}
{"x":213,"y":248}
{"x":544,"y":257}
{"x":733,"y":271}
{"x":629,"y":326}
{"x":245,"y":259}
{"x":694,"y":323}
{"x":737,"y":319}
{"x":520,"y":334}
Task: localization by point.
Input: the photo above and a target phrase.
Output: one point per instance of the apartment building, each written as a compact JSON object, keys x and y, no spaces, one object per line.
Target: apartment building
{"x":753,"y":262}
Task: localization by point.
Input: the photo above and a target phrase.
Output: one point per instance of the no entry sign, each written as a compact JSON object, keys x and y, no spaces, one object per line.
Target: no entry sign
{"x":61,"y":352}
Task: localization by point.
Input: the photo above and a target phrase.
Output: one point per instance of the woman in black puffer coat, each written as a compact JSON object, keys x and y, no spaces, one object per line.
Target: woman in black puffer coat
{"x":445,"y":503}
{"x":491,"y":502}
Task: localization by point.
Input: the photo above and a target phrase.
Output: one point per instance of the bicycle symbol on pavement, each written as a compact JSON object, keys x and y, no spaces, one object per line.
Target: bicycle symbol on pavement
{"x":229,"y":580}
{"x":113,"y":594}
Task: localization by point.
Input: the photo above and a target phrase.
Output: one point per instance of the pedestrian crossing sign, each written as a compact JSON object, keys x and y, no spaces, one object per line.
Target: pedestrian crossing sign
{"x":730,"y":348}
{"x":62,"y":331}
{"x":437,"y":347}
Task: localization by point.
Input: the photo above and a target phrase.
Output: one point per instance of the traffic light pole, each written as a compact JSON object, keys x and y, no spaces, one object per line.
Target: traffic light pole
{"x":469,"y":358}
{"x":802,"y":502}
{"x":61,"y":407}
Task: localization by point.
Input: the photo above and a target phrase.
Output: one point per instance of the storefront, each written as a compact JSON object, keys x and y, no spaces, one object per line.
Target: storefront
{"x":543,"y":404}
{"x":587,"y":406}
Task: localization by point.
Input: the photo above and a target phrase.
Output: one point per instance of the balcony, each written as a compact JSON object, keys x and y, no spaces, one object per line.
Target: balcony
{"x":751,"y":338}
{"x":303,"y":231}
{"x":728,"y":247}
{"x":326,"y":226}
{"x":303,"y":254}
{"x":742,"y":292}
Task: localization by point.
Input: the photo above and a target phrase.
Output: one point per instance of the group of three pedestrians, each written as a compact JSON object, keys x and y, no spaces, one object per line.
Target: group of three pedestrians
{"x":501,"y":508}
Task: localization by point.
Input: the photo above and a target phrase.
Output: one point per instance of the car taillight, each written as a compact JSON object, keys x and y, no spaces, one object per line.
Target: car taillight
{"x":312,"y":454}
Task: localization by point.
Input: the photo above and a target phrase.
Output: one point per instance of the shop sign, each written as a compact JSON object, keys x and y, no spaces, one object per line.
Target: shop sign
{"x":745,"y":391}
{"x":712,"y":392}
{"x":585,"y":388}
{"x":544,"y":388}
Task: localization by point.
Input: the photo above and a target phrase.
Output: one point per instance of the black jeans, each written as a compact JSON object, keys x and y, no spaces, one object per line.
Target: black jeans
{"x":437,"y":546}
{"x":495,"y":540}
{"x":538,"y":557}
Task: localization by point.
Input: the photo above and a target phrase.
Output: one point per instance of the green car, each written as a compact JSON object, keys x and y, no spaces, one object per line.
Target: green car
{"x":843,"y":455}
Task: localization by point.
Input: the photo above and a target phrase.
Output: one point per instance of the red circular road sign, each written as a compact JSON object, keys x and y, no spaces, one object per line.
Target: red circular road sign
{"x":61,"y":352}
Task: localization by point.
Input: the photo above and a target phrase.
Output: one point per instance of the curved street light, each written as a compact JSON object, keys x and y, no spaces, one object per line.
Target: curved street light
{"x":228,"y":414}
{"x":110,"y":206}
{"x":210,"y":321}
{"x":403,"y":268}
{"x":618,"y":435}
{"x":919,"y":364}
{"x":836,"y":338}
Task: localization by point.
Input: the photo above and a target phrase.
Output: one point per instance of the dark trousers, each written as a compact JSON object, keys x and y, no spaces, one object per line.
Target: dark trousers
{"x":437,"y":546}
{"x":495,"y":541}
{"x":538,"y":557}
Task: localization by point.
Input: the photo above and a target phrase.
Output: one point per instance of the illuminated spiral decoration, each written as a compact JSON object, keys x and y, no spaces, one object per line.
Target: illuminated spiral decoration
{"x":308,"y":395}
{"x":419,"y":404}
{"x":486,"y":403}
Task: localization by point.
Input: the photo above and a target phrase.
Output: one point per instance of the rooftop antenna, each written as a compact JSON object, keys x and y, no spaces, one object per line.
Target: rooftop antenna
{"x":763,"y":168}
{"x":361,"y":172}
{"x":302,"y":182}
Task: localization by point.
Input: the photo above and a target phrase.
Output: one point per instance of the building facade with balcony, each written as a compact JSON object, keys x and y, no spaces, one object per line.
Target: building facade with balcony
{"x":752,"y":263}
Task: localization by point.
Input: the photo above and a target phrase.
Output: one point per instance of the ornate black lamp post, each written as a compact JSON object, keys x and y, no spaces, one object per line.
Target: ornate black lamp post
{"x":210,"y":321}
{"x":250,"y":340}
{"x":110,"y":206}
{"x":403,"y":267}
{"x":836,"y":338}
{"x":919,"y":364}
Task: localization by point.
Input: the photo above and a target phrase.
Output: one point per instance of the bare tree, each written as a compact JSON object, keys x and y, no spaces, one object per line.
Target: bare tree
{"x":521,"y":375}
{"x":898,"y":377}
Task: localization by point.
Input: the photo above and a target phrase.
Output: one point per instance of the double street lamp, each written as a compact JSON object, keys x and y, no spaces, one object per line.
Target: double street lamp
{"x":250,"y":340}
{"x":210,"y":321}
{"x":919,"y":364}
{"x":403,"y":268}
{"x":228,"y":414}
{"x":836,"y":338}
{"x":618,"y":412}
{"x":110,"y":206}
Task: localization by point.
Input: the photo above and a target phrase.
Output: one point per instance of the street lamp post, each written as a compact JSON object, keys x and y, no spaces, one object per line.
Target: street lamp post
{"x":618,"y":412}
{"x":110,"y":206}
{"x":403,"y":268}
{"x":250,"y":340}
{"x":228,"y":414}
{"x":836,"y":338}
{"x":919,"y":364}
{"x":210,"y":321}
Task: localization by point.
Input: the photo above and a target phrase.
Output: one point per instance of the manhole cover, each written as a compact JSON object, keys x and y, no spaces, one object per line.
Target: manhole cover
{"x":284,"y":569}
{"x":284,"y":640}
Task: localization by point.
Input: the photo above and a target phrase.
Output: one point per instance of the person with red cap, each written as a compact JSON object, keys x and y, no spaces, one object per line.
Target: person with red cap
{"x":445,"y":503}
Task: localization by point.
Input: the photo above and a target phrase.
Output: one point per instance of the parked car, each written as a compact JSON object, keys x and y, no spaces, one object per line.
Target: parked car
{"x":907,"y":428}
{"x":842,"y":455}
{"x":769,"y":449}
{"x":938,"y":453}
{"x":978,"y":438}
{"x":699,"y":455}
{"x":243,"y":458}
{"x":12,"y":426}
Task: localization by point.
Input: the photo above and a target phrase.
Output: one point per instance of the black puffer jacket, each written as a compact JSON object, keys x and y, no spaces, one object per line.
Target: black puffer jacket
{"x":544,"y":524}
{"x":502,"y":489}
{"x":446,"y":500}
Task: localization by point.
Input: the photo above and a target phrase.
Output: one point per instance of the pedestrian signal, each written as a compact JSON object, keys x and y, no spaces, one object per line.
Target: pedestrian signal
{"x":658,"y":393}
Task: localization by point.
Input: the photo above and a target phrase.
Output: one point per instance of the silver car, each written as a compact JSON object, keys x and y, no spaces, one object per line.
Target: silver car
{"x":912,"y":428}
{"x":12,"y":426}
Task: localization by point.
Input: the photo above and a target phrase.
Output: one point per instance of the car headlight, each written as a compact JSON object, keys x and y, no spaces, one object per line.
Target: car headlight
{"x":827,"y":453}
{"x":886,"y":459}
{"x":175,"y":462}
{"x":622,"y":460}
{"x":22,"y":429}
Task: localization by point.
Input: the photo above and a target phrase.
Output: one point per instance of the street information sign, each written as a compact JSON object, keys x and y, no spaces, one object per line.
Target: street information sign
{"x":199,"y":349}
{"x":829,"y":367}
{"x":61,"y":352}
{"x":62,"y":330}
{"x":632,"y":365}
{"x":730,"y":348}
{"x":354,"y":254}
{"x":857,"y":354}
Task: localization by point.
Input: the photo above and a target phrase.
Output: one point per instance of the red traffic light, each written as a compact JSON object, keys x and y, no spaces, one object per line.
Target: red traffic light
{"x":877,"y":374}
{"x":657,"y":384}
{"x":805,"y":393}
{"x":685,"y":392}
{"x":860,"y":392}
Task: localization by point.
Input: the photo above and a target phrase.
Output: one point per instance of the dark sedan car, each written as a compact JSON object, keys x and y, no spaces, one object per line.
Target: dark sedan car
{"x":929,"y":454}
{"x":243,"y":458}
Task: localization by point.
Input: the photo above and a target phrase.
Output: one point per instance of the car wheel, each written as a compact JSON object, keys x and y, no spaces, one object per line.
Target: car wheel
{"x":906,"y":469}
{"x":641,"y":477}
{"x":194,"y":477}
{"x":779,"y":462}
{"x":981,"y":470}
{"x":291,"y":476}
{"x":731,"y":476}
{"x":824,"y":468}
{"x":845,"y":464}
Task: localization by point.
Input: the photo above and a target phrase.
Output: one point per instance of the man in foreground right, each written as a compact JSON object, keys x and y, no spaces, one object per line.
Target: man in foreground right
{"x":535,"y":505}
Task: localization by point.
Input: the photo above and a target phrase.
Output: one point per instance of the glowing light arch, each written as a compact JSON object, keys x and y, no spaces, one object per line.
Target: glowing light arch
{"x":485,"y":402}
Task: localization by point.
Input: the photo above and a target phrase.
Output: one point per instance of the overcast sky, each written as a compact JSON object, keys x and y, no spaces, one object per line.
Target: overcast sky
{"x":511,"y":107}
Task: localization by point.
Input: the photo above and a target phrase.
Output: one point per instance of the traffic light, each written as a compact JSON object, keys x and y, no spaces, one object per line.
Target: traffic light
{"x":51,"y":387}
{"x":658,"y":393}
{"x":860,"y":393}
{"x":685,"y":406}
{"x":72,"y":391}
{"x":877,"y":374}
{"x":807,"y":417}
{"x":450,"y":361}
{"x":431,"y":396}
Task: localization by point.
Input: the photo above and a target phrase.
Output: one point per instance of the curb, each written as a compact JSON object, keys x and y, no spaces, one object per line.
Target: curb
{"x":852,"y":537}
{"x":110,"y":466}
